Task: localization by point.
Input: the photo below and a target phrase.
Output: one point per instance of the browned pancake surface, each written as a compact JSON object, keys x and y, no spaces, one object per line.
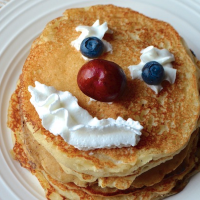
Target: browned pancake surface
{"x":29,"y":153}
{"x":168,"y":118}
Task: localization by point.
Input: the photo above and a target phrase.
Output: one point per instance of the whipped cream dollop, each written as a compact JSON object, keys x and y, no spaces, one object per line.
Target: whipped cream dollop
{"x":162,"y":56}
{"x":61,"y":115}
{"x":96,"y":30}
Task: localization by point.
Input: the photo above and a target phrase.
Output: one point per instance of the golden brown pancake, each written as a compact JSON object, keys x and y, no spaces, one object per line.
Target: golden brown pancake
{"x":169,"y":118}
{"x":31,"y":156}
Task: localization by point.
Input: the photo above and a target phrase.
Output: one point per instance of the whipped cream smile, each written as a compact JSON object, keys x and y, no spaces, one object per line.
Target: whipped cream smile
{"x":162,"y":56}
{"x":61,"y":115}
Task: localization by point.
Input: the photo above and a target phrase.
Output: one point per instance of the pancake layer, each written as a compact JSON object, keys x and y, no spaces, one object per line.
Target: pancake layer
{"x":163,"y":180}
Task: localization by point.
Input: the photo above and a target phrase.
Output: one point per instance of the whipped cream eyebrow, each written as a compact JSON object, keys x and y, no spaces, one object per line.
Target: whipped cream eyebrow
{"x":61,"y":115}
{"x":96,"y":30}
{"x":162,"y":56}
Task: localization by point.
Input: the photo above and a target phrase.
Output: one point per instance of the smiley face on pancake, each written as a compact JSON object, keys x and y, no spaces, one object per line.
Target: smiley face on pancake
{"x":169,"y":117}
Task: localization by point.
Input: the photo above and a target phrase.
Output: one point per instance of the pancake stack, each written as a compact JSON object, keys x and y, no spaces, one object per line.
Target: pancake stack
{"x":167,"y":154}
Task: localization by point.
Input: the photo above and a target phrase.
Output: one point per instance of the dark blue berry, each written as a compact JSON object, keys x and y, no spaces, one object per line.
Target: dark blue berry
{"x":153,"y":73}
{"x":92,"y":47}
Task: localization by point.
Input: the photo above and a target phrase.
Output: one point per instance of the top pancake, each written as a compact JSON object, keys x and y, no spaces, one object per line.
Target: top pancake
{"x":168,"y":118}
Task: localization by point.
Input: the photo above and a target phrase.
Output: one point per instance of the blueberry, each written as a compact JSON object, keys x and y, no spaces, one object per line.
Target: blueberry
{"x":153,"y":73}
{"x":92,"y":47}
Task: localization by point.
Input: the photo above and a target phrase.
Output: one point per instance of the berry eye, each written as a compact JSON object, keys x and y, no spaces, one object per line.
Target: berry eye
{"x":92,"y":47}
{"x":153,"y":73}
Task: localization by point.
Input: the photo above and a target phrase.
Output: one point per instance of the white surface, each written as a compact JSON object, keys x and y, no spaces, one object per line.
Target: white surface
{"x":3,"y":2}
{"x":21,"y":21}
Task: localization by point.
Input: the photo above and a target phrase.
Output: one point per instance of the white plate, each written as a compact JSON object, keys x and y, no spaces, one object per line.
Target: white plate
{"x":20,"y":23}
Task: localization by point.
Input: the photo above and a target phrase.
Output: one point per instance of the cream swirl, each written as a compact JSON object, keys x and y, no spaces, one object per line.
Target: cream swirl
{"x":61,"y":115}
{"x":96,"y":30}
{"x":162,"y":56}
